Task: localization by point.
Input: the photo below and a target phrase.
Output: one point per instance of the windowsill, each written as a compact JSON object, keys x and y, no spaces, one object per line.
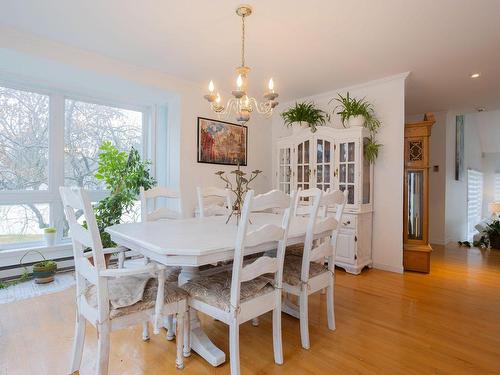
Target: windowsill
{"x":12,"y":256}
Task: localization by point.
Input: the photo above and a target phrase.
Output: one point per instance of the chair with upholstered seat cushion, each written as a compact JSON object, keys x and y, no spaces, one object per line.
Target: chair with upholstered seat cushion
{"x":146,"y":301}
{"x":251,"y":288}
{"x":304,"y":271}
{"x":114,"y":298}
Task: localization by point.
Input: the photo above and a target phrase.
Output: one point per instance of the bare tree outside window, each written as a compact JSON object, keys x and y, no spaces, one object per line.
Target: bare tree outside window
{"x":24,"y":153}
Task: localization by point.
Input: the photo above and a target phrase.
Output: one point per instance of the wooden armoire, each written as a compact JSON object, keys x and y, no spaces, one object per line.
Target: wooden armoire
{"x":416,"y":247}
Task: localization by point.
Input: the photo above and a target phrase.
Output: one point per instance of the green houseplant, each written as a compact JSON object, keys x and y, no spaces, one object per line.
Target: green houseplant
{"x":360,"y":112}
{"x":43,"y":271}
{"x":493,"y":233}
{"x":123,"y":175}
{"x":356,"y":112}
{"x":305,"y":114}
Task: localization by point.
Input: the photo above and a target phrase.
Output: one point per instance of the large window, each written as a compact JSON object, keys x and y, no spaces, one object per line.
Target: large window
{"x":47,"y":140}
{"x":474,"y":200}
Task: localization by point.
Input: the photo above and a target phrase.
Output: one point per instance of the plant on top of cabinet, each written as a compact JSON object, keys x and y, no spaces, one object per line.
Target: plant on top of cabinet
{"x":359,"y":112}
{"x":305,"y":113}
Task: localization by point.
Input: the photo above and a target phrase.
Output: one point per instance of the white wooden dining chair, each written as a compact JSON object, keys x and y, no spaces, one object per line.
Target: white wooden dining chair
{"x":213,"y":201}
{"x":238,"y":296}
{"x":152,"y":211}
{"x":306,"y":273}
{"x":97,"y":287}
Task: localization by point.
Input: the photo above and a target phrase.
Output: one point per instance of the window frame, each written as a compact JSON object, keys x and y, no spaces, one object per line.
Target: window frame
{"x":55,"y":173}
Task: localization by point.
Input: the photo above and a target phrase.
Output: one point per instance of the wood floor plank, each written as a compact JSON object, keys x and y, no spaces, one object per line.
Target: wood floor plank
{"x":446,"y":322}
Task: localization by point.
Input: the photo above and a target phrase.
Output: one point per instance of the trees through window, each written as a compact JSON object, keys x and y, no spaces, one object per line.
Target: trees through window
{"x":30,"y":175}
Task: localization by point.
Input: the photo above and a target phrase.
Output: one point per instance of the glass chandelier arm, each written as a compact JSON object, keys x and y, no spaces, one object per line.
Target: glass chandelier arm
{"x":230,"y":106}
{"x":264,"y":108}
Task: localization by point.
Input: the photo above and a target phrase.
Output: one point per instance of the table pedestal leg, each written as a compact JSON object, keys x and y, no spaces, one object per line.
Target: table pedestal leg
{"x":200,"y":342}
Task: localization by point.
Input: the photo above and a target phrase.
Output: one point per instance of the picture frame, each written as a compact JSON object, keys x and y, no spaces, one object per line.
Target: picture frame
{"x":221,"y":142}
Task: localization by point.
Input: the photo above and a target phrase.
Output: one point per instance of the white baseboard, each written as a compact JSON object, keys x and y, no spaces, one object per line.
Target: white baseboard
{"x":386,"y":267}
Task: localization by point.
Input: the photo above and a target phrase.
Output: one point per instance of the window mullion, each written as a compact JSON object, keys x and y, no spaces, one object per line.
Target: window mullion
{"x":56,"y":160}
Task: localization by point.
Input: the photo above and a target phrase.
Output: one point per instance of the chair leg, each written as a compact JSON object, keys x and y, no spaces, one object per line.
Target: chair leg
{"x":102,"y":348}
{"x":76,"y":356}
{"x":304,"y":319}
{"x":145,"y":331}
{"x":277,"y":343}
{"x":179,"y":361}
{"x":121,"y":259}
{"x":330,"y":305}
{"x":187,"y":334}
{"x":170,"y":328}
{"x":234,"y":347}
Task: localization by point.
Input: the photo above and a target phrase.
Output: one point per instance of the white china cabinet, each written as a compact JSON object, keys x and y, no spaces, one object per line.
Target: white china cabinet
{"x":333,"y":158}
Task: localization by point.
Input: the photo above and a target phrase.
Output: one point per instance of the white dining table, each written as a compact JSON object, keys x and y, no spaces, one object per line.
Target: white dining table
{"x":194,"y":242}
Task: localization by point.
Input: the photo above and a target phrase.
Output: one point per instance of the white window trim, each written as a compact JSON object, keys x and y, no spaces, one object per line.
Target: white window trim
{"x":56,"y":164}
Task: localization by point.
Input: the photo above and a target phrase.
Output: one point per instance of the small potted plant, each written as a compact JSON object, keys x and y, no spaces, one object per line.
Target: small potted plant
{"x":49,"y":235}
{"x":303,"y":115}
{"x":43,"y":271}
{"x":356,"y":112}
{"x":493,"y":233}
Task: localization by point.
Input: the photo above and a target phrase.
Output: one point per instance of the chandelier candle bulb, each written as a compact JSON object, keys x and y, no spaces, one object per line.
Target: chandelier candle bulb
{"x":211,"y":87}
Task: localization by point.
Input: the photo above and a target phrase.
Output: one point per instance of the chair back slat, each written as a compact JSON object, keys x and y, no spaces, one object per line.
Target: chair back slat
{"x":273,"y":199}
{"x":267,"y":234}
{"x":261,"y":266}
{"x":223,"y":206}
{"x":163,"y":213}
{"x":326,"y":224}
{"x":320,"y":252}
{"x":149,"y":199}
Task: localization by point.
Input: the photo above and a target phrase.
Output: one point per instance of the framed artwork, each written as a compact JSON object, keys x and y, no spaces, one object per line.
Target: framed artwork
{"x":222,"y":142}
{"x":459,"y":147}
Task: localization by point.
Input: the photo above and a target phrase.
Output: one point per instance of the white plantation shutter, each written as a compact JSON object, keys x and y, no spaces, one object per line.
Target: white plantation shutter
{"x":474,"y":200}
{"x":497,"y":187}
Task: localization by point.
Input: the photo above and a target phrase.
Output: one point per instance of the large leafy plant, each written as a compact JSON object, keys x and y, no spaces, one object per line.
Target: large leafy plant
{"x":351,"y":107}
{"x":306,"y":112}
{"x":123,"y":175}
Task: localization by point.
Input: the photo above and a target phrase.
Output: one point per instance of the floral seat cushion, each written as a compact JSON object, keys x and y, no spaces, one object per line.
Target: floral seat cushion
{"x":215,"y":289}
{"x":296,"y":249}
{"x":293,"y":268}
{"x":146,"y":301}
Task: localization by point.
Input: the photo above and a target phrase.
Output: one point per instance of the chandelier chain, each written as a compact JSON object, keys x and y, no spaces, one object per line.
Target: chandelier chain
{"x":243,"y":41}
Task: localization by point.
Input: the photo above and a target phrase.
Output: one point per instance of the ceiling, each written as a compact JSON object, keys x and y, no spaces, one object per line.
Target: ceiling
{"x":307,"y":46}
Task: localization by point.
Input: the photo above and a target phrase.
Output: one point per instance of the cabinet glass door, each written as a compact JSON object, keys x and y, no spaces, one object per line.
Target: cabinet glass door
{"x":324,"y":164}
{"x":347,"y":169}
{"x":303,"y":165}
{"x":285,"y":169}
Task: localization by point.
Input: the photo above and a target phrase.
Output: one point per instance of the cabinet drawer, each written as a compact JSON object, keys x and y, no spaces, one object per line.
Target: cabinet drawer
{"x":348,"y":221}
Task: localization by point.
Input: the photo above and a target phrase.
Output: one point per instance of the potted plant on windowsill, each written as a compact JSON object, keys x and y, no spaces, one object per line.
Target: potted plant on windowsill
{"x":303,"y":115}
{"x":43,"y":271}
{"x":49,"y":235}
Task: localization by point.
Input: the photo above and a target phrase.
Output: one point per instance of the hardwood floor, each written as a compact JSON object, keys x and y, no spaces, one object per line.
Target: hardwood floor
{"x":447,"y":322}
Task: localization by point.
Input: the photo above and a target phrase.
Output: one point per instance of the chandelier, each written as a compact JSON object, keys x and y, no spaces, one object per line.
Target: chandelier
{"x":242,"y":104}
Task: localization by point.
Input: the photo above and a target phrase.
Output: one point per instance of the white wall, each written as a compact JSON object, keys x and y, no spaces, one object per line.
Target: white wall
{"x":25,"y":57}
{"x":387,"y":96}
{"x":456,"y":191}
